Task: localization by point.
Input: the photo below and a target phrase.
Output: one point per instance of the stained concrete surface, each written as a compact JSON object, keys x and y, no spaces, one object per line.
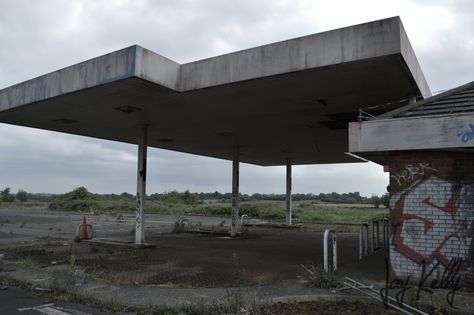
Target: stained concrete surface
{"x":265,"y":257}
{"x":262,"y":256}
{"x":181,"y":268}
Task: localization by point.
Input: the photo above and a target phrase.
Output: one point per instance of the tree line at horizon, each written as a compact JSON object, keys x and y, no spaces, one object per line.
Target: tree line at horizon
{"x":192,"y":197}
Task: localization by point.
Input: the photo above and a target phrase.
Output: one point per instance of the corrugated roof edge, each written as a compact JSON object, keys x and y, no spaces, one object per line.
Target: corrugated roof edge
{"x":394,"y":113}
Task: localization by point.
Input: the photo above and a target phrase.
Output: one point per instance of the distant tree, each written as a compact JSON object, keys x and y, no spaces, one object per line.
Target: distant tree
{"x":6,"y":196}
{"x":127,"y":196}
{"x":187,"y":197}
{"x":22,"y":195}
{"x":154,"y":196}
{"x":376,"y":201}
{"x":386,"y":200}
{"x":79,"y":193}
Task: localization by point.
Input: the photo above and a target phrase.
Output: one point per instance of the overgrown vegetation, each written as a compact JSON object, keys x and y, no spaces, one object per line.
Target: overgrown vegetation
{"x":181,"y":226}
{"x":315,"y":276}
{"x":192,"y":198}
{"x":233,"y":304}
{"x":22,"y":195}
{"x":187,"y":203}
{"x":186,"y":198}
{"x":79,"y":199}
{"x":6,"y":196}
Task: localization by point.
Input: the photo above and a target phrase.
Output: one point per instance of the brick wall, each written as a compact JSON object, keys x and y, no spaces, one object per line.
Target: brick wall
{"x":432,"y":213}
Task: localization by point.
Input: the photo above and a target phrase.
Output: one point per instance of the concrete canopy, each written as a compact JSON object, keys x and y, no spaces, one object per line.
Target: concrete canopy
{"x":291,"y":99}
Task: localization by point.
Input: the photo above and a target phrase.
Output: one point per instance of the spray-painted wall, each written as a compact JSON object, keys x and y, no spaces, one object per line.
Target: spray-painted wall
{"x":432,"y":213}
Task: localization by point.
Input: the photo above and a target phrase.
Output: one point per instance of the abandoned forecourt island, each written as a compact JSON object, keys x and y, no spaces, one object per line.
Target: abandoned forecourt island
{"x":286,"y":103}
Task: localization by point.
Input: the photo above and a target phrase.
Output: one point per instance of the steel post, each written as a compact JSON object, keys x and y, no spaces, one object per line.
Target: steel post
{"x":235,"y":193}
{"x":141,"y":187}
{"x":288,"y":192}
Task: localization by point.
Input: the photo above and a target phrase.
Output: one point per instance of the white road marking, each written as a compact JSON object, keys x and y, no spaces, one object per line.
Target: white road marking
{"x":48,"y":309}
{"x":51,"y":311}
{"x":30,"y":308}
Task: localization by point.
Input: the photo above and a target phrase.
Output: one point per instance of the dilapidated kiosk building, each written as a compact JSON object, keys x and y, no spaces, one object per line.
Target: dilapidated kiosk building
{"x":427,"y":147}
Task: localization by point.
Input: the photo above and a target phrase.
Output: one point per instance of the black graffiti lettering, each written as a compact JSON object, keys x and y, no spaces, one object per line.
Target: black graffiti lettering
{"x":450,"y":273}
{"x":398,"y":284}
{"x":450,"y":279}
{"x":423,"y":278}
{"x":451,"y":294}
{"x":400,"y":296}
{"x":384,"y":291}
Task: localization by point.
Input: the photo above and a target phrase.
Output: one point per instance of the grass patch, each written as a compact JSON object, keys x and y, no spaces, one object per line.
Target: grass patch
{"x":309,"y":211}
{"x":30,"y":205}
{"x":315,"y":276}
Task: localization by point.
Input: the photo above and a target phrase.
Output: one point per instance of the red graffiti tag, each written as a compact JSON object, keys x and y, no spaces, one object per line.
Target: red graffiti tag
{"x":400,"y":218}
{"x":450,"y":206}
{"x":398,"y":228}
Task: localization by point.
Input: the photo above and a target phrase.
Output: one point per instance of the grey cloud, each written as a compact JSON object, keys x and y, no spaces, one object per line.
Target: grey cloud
{"x":42,"y":36}
{"x":447,"y":60}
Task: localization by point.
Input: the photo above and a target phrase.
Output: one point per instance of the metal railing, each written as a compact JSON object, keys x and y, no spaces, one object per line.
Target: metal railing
{"x":389,"y":301}
{"x":243,"y":219}
{"x":363,"y":240}
{"x":386,"y":239}
{"x":377,"y":241}
{"x":326,"y":249}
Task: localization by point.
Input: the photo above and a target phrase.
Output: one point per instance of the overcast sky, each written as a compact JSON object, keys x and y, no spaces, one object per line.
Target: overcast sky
{"x":37,"y":37}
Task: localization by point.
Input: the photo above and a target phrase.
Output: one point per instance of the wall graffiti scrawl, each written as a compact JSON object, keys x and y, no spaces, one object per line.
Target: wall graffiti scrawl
{"x":411,"y":171}
{"x":427,"y":222}
{"x":431,"y":214}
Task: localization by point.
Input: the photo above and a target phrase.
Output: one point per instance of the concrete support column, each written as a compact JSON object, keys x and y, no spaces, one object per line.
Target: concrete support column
{"x":141,"y":187}
{"x":288,"y":192}
{"x":235,"y":193}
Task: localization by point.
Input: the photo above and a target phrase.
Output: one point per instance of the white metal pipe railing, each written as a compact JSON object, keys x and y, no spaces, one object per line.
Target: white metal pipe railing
{"x":326,"y":249}
{"x":363,"y":240}
{"x":243,"y":218}
{"x":386,"y":240}
{"x":388,"y":300}
{"x":377,"y":241}
{"x":375,"y":235}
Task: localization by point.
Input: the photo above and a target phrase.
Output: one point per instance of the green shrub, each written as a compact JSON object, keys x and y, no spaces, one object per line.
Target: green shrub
{"x":22,"y":195}
{"x":186,"y":197}
{"x":252,"y":210}
{"x":80,"y":199}
{"x":315,"y":276}
{"x":6,"y":196}
{"x":211,"y":209}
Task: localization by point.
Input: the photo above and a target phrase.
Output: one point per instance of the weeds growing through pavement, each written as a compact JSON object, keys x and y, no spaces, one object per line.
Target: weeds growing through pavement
{"x":315,"y":276}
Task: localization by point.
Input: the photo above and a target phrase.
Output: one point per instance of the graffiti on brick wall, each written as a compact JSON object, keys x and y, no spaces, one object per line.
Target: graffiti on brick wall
{"x":433,"y":218}
{"x":449,"y":280}
{"x":411,"y":171}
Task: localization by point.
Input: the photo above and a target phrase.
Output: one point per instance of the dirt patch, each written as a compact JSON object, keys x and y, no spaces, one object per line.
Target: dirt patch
{"x":265,"y":256}
{"x":324,"y":307}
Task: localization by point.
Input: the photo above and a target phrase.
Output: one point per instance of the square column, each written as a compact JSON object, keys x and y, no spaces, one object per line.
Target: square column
{"x":235,"y":193}
{"x":288,"y":192}
{"x":141,"y":187}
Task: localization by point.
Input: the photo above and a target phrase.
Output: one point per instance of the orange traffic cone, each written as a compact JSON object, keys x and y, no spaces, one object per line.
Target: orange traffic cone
{"x":84,"y":233}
